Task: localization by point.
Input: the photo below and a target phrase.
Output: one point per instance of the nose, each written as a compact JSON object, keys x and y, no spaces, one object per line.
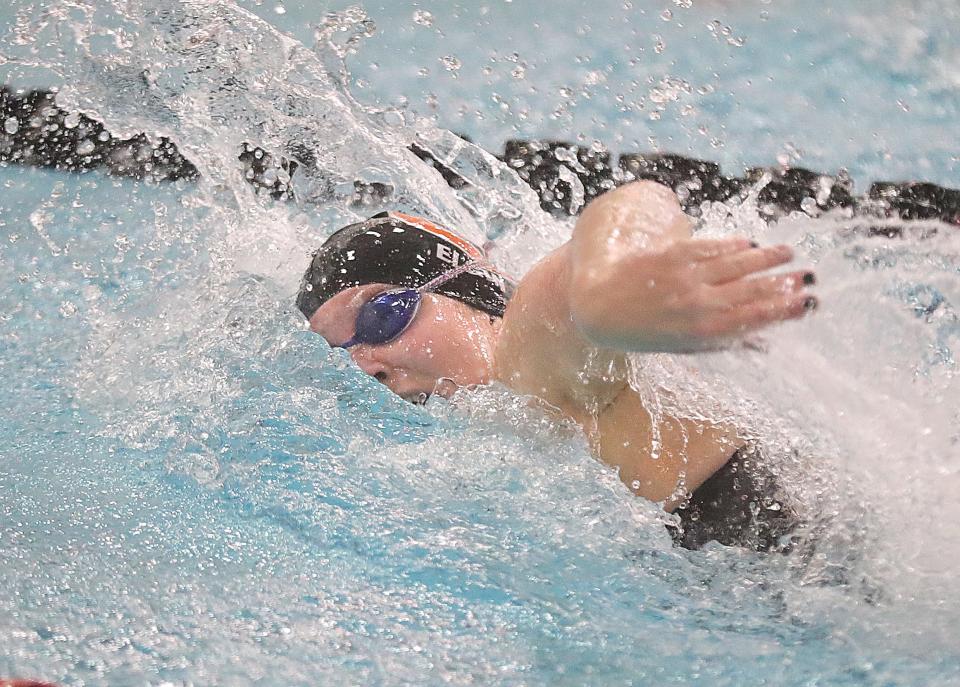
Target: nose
{"x":368,"y":362}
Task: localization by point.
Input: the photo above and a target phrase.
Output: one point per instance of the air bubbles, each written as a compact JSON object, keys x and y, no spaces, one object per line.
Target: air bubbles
{"x":72,"y":120}
{"x":685,"y":4}
{"x":279,"y":9}
{"x":666,"y":15}
{"x":451,"y":63}
{"x":423,"y":18}
{"x":721,"y":31}
{"x":11,"y":125}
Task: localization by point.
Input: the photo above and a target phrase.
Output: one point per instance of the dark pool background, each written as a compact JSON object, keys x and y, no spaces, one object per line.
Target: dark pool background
{"x":195,"y":490}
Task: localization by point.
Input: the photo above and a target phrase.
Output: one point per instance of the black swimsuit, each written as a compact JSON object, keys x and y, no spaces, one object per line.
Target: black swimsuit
{"x":739,"y":505}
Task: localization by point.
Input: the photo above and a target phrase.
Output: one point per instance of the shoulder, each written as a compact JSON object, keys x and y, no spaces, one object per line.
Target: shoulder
{"x":541,"y":351}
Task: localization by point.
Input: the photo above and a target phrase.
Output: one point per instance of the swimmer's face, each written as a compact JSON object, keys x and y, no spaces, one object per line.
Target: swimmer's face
{"x":448,"y":344}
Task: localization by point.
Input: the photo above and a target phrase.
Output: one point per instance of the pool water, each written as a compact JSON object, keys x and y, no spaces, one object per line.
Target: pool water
{"x":196,"y":490}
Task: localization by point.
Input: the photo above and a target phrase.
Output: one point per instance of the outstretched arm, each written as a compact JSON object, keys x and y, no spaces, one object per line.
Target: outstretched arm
{"x":639,"y":282}
{"x":633,"y":279}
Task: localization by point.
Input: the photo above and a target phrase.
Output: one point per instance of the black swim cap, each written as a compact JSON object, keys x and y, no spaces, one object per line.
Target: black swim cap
{"x":402,"y":250}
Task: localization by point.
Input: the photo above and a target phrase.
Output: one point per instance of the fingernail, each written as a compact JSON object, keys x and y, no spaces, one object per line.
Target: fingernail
{"x":810,"y":303}
{"x":809,"y":279}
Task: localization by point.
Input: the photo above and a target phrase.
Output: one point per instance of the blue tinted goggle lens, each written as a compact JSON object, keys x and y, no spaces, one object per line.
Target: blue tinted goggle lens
{"x":385,"y":317}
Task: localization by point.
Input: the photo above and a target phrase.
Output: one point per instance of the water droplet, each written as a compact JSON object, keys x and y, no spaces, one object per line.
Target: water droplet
{"x":280,"y":9}
{"x":451,"y":63}
{"x":68,"y":309}
{"x":11,"y":125}
{"x":72,"y":120}
{"x":423,"y":18}
{"x":86,"y":147}
{"x":685,"y":4}
{"x":666,"y":15}
{"x":903,"y":106}
{"x":809,"y":206}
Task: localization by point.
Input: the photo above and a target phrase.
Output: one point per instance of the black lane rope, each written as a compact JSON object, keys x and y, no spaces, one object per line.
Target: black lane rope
{"x":34,"y":131}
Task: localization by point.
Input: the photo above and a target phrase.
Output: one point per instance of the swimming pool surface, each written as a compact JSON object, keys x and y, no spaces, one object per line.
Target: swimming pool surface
{"x":196,"y":490}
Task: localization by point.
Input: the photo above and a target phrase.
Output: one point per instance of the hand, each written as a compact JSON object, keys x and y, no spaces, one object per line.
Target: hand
{"x":689,"y":295}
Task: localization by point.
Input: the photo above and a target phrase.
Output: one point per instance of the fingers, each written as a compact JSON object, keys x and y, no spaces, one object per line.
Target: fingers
{"x":756,"y":289}
{"x":738,"y":319}
{"x":743,"y":263}
{"x":707,"y":249}
{"x":791,"y":307}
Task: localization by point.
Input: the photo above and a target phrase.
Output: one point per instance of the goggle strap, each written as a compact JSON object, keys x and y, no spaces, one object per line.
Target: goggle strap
{"x":453,"y":274}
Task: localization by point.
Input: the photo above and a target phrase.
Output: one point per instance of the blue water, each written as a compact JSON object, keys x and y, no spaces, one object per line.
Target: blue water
{"x":195,"y":490}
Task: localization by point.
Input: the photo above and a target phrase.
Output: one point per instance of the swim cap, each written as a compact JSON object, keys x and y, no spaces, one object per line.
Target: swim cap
{"x":402,"y":250}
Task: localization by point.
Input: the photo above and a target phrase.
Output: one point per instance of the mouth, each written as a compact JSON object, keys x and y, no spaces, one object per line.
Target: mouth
{"x":417,"y":399}
{"x":444,"y":387}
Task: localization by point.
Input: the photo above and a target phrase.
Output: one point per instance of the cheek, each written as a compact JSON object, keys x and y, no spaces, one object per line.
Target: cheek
{"x":440,"y":345}
{"x":433,"y":352}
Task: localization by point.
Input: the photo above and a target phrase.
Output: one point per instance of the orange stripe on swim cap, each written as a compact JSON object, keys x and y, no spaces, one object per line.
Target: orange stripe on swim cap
{"x":435,"y":229}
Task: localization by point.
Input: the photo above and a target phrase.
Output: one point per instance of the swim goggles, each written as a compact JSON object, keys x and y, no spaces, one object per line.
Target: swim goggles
{"x":390,"y":313}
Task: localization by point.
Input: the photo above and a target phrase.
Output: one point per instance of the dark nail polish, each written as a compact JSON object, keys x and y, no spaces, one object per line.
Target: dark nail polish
{"x":810,"y":303}
{"x":754,"y":244}
{"x":809,"y":279}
